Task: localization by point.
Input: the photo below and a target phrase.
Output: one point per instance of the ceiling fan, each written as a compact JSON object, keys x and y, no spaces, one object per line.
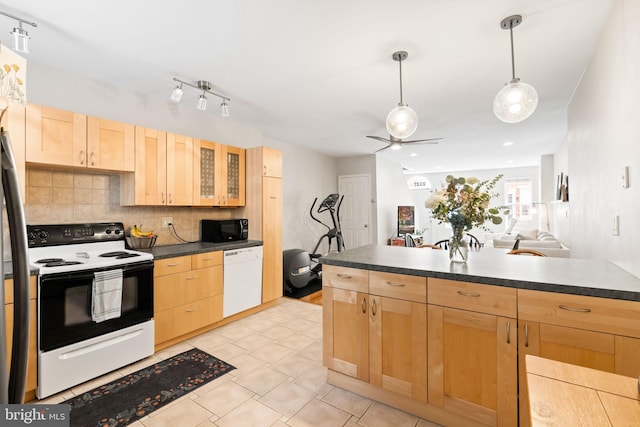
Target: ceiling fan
{"x":402,"y":121}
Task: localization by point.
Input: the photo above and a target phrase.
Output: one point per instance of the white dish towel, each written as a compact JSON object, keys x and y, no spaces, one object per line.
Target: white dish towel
{"x":107,"y":295}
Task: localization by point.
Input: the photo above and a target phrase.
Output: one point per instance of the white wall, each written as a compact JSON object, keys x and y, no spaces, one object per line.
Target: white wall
{"x":391,"y":192}
{"x":307,"y":174}
{"x":603,"y":137}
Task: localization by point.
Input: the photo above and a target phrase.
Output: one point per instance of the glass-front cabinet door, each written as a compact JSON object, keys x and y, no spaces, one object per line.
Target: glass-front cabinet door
{"x":219,"y":174}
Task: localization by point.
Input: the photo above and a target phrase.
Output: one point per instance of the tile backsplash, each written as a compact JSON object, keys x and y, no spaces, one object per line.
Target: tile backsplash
{"x":55,"y":196}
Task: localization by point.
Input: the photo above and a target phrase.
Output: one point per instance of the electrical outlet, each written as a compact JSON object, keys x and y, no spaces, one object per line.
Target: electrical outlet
{"x":615,"y":226}
{"x":166,"y":221}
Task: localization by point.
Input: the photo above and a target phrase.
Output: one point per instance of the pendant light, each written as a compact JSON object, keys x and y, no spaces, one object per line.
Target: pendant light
{"x":516,"y":100}
{"x":402,"y":121}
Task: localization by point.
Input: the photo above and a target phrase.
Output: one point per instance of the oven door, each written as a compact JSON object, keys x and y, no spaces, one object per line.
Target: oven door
{"x":64,"y":305}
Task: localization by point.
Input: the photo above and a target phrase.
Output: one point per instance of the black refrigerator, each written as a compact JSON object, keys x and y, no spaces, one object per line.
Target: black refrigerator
{"x":13,"y":377}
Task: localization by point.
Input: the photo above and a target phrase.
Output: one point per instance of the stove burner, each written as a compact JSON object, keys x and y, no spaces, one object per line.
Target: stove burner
{"x":60,"y":262}
{"x":48,"y":260}
{"x":119,"y":254}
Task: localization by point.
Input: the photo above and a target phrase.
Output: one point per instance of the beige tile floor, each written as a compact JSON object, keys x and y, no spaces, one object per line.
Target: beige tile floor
{"x":279,"y":379}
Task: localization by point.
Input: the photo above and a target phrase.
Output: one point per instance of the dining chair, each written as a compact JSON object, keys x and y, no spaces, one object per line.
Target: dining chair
{"x":409,"y":241}
{"x":474,"y":243}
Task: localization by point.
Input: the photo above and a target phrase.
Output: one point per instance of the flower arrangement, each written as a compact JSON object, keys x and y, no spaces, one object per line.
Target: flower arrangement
{"x":464,"y":203}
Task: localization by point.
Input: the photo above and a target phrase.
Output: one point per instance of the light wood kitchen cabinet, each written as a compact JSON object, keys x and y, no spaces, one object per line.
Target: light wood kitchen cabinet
{"x":188,"y":294}
{"x":64,"y":138}
{"x":14,"y":121}
{"x":271,"y":162}
{"x":398,"y":334}
{"x":110,"y":145}
{"x":219,"y":174}
{"x":597,"y":333}
{"x":472,"y":358}
{"x":33,"y":333}
{"x":345,"y":307}
{"x":264,"y":212}
{"x":163,"y":170}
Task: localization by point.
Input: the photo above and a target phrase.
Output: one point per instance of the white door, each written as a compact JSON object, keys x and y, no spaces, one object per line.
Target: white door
{"x":355,"y":213}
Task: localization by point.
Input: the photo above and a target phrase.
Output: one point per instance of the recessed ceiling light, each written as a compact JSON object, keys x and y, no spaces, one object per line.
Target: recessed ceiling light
{"x":438,"y":167}
{"x":508,"y":143}
{"x":509,"y":161}
{"x":413,"y":154}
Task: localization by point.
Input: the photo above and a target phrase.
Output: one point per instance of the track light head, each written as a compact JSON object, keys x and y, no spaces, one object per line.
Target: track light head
{"x":177,"y":93}
{"x":20,"y":35}
{"x":202,"y":103}
{"x":224,"y":108}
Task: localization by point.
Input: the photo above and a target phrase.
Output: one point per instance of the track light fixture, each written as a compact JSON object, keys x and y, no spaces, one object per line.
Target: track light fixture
{"x":205,"y":87}
{"x":20,"y":35}
{"x":516,"y":100}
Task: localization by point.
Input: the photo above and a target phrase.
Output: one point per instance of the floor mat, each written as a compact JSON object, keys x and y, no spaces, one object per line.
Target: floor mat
{"x":134,"y":396}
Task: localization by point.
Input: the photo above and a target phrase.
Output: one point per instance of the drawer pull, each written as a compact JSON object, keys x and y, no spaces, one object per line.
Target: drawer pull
{"x":468,"y":294}
{"x":398,"y":285}
{"x":364,"y":305}
{"x":173,"y":265}
{"x":526,"y":335}
{"x":207,"y":259}
{"x":508,"y":332}
{"x":577,"y":310}
{"x":191,"y":310}
{"x":344,"y":276}
{"x":373,"y":307}
{"x":192,"y":277}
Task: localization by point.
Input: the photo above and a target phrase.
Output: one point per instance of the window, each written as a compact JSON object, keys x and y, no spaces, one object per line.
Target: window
{"x":518,"y":197}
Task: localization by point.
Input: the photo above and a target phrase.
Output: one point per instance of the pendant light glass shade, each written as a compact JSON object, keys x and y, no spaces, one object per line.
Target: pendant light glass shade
{"x":515,"y":102}
{"x":177,"y":93}
{"x":402,"y":122}
{"x":202,"y":103}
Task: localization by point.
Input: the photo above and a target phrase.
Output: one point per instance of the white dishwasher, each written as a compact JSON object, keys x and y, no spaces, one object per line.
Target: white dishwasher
{"x":242,"y":280}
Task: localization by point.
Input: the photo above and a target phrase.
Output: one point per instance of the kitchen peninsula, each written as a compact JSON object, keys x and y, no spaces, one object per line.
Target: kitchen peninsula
{"x":447,"y":342}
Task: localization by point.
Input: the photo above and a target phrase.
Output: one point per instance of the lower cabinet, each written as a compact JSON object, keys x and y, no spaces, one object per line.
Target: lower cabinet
{"x":472,"y":351}
{"x":187,"y":294}
{"x":373,"y":337}
{"x":33,"y":333}
{"x":596,"y":333}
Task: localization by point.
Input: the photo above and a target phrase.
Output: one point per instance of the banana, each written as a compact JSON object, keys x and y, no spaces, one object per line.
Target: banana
{"x":137,"y":232}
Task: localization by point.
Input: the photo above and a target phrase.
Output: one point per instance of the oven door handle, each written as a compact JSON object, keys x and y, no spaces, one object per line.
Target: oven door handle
{"x":89,"y":274}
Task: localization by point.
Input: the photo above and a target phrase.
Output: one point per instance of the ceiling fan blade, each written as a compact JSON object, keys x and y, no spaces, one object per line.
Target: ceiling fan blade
{"x":424,"y":141}
{"x":379,"y":138}
{"x":381,"y":149}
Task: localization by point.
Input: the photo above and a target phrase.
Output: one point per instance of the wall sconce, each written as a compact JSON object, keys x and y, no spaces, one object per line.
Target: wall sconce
{"x":205,"y":87}
{"x":20,"y":35}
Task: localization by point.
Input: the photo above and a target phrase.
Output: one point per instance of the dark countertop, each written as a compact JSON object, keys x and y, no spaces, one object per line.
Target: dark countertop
{"x":492,"y":266}
{"x":7,"y":269}
{"x":170,"y":251}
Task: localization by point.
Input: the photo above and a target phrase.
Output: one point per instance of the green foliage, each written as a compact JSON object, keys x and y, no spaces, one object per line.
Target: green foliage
{"x":464,"y":203}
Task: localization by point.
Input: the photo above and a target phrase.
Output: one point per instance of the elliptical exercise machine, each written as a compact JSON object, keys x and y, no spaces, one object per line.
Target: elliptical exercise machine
{"x":299,"y":266}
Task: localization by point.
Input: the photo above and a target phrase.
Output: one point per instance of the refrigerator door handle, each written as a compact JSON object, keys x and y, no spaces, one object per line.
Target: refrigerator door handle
{"x":20,"y":263}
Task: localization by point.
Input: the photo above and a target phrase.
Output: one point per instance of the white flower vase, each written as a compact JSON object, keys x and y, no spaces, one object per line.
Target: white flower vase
{"x":458,"y":245}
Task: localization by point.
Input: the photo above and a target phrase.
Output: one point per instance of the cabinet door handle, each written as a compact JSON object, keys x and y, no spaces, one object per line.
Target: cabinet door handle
{"x":93,"y":158}
{"x":364,"y":305}
{"x":468,"y":294}
{"x":162,"y":197}
{"x":373,"y":307}
{"x":170,"y":199}
{"x":577,"y":310}
{"x":191,"y":310}
{"x":82,"y":156}
{"x":398,"y":285}
{"x":265,"y":170}
{"x":526,"y":335}
{"x":273,"y":197}
{"x":508,"y":332}
{"x":192,"y":277}
{"x":344,"y":276}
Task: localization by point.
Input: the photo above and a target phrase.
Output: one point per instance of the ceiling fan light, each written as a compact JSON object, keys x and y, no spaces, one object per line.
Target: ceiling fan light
{"x":395,"y":145}
{"x":515,"y":102}
{"x":402,"y":122}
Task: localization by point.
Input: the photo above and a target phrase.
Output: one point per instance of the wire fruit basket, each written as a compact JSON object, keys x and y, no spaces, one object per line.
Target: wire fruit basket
{"x":141,"y":242}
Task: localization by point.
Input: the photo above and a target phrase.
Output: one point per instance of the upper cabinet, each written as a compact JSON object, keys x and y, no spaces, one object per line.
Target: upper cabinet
{"x":64,"y":138}
{"x":271,"y":162}
{"x":219,"y":174}
{"x":163,"y":170}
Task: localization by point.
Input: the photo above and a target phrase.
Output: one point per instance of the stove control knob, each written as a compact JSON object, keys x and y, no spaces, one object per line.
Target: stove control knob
{"x":31,"y":236}
{"x":43,"y":235}
{"x":117,"y":231}
{"x":108,"y":231}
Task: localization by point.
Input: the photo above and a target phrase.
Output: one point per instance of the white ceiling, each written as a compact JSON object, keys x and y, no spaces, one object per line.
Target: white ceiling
{"x":319,"y":73}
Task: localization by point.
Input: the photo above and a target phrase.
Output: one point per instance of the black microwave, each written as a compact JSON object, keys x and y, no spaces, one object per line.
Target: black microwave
{"x":224,"y":230}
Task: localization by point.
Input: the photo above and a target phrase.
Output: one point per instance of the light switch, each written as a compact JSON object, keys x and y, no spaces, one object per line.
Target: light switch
{"x":615,"y":226}
{"x":625,"y":177}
